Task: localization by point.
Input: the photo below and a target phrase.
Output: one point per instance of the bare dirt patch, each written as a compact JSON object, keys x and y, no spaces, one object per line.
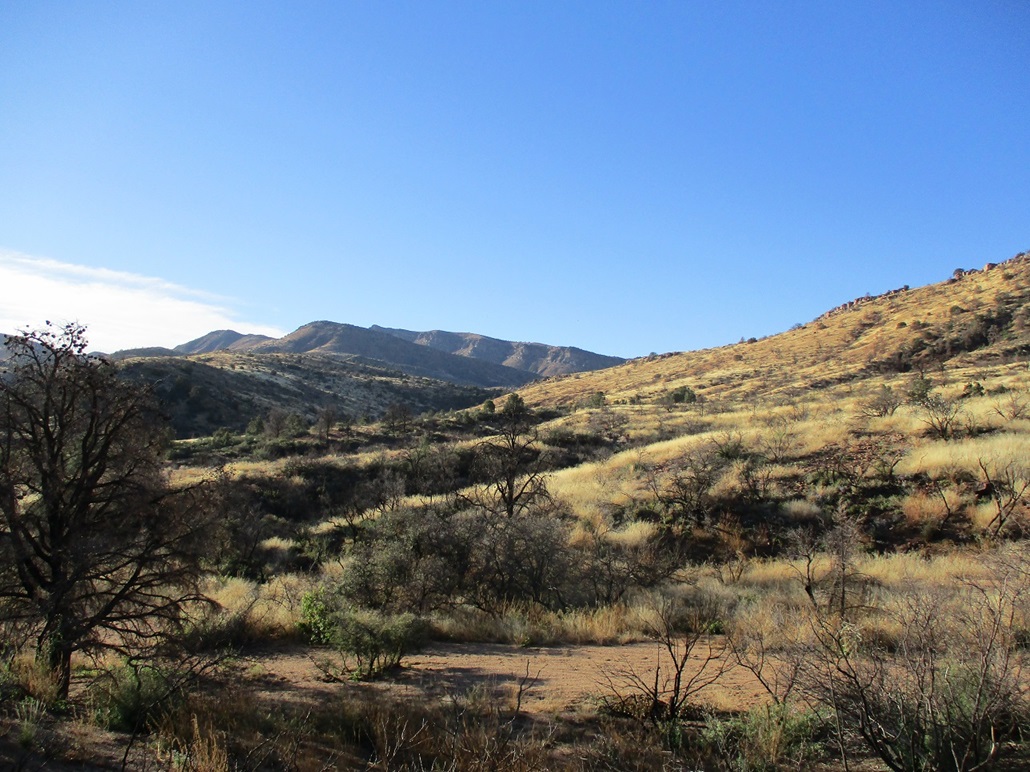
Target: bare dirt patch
{"x":558,"y":679}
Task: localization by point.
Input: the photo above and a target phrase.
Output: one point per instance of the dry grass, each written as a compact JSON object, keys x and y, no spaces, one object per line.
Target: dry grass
{"x":528,"y":625}
{"x":819,"y":352}
{"x":260,"y":611}
{"x":945,"y":459}
{"x":929,"y":509}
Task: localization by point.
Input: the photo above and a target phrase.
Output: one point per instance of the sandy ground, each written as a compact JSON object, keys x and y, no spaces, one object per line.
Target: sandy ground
{"x":553,"y":680}
{"x":559,"y":681}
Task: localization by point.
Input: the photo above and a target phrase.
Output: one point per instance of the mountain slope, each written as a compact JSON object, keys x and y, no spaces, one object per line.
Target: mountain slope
{"x":220,"y":340}
{"x":348,"y":339}
{"x":202,"y":393}
{"x":538,"y":358}
{"x":979,"y":316}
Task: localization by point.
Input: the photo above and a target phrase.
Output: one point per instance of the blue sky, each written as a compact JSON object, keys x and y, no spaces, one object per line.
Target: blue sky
{"x":626,"y":177}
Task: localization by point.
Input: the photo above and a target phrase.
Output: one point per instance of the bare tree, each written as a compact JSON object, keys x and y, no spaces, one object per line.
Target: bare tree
{"x":508,"y":464}
{"x":1008,"y":487}
{"x":95,"y":549}
{"x":689,"y":659}
{"x":325,"y":421}
{"x":682,"y":488}
{"x":940,"y":415}
{"x":397,"y":417}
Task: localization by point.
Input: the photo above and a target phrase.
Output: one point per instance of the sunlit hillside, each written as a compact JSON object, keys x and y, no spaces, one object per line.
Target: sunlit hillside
{"x":979,"y":317}
{"x":749,"y":550}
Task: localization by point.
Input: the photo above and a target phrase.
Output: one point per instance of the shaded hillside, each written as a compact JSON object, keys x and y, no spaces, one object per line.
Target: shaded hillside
{"x":334,"y":338}
{"x":536,"y":358}
{"x":203,"y":393}
{"x":979,"y":316}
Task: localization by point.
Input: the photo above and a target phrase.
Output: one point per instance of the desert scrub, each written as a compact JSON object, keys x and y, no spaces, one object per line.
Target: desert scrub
{"x":769,"y":737}
{"x":364,"y":643}
{"x":131,"y":696}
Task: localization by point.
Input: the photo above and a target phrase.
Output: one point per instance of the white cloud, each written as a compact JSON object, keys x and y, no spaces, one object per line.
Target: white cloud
{"x":120,"y":310}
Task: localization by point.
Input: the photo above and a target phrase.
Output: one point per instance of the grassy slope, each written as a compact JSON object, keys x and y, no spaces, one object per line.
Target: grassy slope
{"x":850,"y":345}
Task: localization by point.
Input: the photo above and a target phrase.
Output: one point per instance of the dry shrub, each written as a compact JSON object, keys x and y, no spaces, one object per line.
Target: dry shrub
{"x":524,"y":624}
{"x":946,"y":688}
{"x":922,"y":510}
{"x":203,"y":751}
{"x":36,"y":681}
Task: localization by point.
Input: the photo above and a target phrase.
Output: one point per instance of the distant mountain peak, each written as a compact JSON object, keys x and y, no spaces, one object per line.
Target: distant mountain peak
{"x":458,"y":357}
{"x":539,"y":358}
{"x":219,"y":340}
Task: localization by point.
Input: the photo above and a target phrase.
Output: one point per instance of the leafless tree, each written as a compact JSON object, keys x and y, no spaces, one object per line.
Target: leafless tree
{"x":690,"y":658}
{"x":96,"y":550}
{"x":682,"y":487}
{"x":940,"y":415}
{"x":1008,"y":487}
{"x":508,"y":465}
{"x":325,"y":421}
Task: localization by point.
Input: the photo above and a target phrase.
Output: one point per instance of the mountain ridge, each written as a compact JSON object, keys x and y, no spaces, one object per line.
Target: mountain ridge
{"x":543,"y":359}
{"x":462,"y":358}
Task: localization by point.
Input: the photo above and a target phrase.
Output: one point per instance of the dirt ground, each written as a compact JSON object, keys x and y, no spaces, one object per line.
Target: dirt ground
{"x":554,"y":681}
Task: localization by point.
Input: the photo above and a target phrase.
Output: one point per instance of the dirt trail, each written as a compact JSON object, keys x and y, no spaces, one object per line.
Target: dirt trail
{"x":560,"y":679}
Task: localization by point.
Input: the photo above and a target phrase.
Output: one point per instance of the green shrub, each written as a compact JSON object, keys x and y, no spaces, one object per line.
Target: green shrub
{"x":373,"y":643}
{"x":765,"y":738}
{"x":132,"y":697}
{"x":368,"y":642}
{"x":317,"y":618}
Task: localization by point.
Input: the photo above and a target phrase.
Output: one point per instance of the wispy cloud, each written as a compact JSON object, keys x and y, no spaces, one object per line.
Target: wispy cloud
{"x":121,"y":310}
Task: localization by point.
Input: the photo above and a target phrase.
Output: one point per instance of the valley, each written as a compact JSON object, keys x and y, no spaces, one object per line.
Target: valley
{"x":807,"y":550}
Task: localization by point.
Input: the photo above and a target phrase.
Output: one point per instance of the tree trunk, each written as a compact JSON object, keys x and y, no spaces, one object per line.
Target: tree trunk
{"x":54,"y":653}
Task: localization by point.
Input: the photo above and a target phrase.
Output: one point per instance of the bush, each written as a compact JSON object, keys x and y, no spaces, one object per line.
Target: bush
{"x":367,"y":643}
{"x":317,"y":618}
{"x":375,"y":643}
{"x":683,"y":395}
{"x":131,"y":697}
{"x":765,"y":738}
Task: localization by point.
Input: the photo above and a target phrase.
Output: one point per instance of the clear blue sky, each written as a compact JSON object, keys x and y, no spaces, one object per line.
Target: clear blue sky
{"x":622,"y":176}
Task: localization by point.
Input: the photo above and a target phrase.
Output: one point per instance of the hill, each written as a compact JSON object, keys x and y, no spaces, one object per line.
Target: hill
{"x":205,"y":392}
{"x":348,"y":339}
{"x":219,"y":340}
{"x":376,"y":346}
{"x":538,"y":358}
{"x":976,"y":316}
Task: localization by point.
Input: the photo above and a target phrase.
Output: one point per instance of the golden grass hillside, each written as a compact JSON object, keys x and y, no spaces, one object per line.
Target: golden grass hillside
{"x":978,"y":317}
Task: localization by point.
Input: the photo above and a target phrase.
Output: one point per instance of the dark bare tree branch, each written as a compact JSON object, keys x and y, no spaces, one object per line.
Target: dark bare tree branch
{"x":95,"y":549}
